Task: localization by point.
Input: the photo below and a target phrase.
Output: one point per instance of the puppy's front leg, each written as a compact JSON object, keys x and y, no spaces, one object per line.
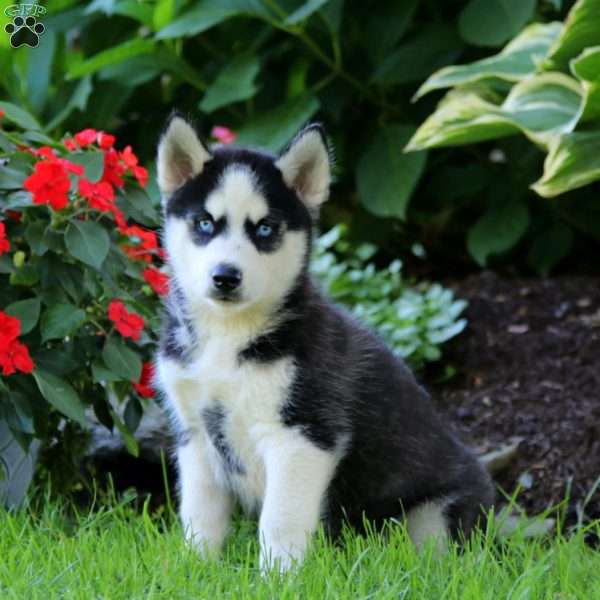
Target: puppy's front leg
{"x":298,"y":475}
{"x":206,"y":505}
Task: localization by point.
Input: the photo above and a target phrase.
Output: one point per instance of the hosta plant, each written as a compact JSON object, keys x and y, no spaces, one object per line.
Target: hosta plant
{"x":413,"y":320}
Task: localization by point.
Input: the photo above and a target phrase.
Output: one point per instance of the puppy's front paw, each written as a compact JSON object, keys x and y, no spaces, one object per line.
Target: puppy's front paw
{"x":276,"y":558}
{"x":205,"y":540}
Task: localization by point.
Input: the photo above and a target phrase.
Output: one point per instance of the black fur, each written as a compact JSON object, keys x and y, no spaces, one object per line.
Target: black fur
{"x":351,"y":394}
{"x":214,"y":421}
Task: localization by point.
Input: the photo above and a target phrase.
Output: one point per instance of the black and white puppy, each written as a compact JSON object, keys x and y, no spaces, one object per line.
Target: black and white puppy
{"x":281,"y":400}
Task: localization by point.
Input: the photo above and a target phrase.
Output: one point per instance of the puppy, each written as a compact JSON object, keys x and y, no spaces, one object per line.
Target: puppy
{"x":280,"y":400}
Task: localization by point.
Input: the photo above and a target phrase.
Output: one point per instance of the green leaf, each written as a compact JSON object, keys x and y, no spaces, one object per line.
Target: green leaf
{"x":434,"y":46}
{"x":549,"y":247}
{"x":61,"y":395}
{"x":39,"y":69}
{"x":27,"y":275}
{"x":27,"y":311}
{"x":19,"y":116}
{"x":234,"y":83}
{"x":34,"y":236}
{"x":78,"y":100}
{"x":581,"y":31}
{"x":304,"y":12}
{"x":498,"y":230}
{"x":112,"y":56}
{"x":100,"y":374}
{"x":573,"y":161}
{"x":12,"y":179}
{"x":163,"y":13}
{"x":208,"y":13}
{"x":518,"y":60}
{"x":586,"y":67}
{"x":274,"y":129}
{"x":386,"y":23}
{"x":88,"y":242}
{"x":493,"y":22}
{"x":130,"y":442}
{"x":386,"y":177}
{"x":92,"y":162}
{"x":137,"y":205}
{"x":122,"y":360}
{"x":61,"y":320}
{"x":540,"y":107}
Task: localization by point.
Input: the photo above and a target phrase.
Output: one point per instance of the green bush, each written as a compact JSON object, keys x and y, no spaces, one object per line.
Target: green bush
{"x":79,"y":284}
{"x":264,"y":67}
{"x":414,"y":321}
{"x":544,"y":84}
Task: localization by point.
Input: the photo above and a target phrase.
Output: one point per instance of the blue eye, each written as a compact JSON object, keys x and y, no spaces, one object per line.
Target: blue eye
{"x":206,"y":226}
{"x":264,"y":230}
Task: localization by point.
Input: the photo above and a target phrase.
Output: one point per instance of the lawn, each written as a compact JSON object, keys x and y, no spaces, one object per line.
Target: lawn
{"x":117,"y":552}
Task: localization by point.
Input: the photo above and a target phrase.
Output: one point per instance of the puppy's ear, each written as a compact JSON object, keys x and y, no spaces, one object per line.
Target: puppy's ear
{"x":181,"y":155}
{"x":305,"y":166}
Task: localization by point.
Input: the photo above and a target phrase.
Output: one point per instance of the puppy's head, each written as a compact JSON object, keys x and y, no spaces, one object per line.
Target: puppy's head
{"x":238,"y":221}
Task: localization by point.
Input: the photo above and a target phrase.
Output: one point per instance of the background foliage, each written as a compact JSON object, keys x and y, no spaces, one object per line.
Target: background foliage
{"x":264,"y":67}
{"x":373,"y":73}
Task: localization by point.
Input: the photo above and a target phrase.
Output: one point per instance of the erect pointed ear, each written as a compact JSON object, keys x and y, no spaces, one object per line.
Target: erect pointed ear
{"x":305,"y":166}
{"x":181,"y":155}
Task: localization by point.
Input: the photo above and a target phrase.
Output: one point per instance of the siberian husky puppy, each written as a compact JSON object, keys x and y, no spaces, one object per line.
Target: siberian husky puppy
{"x":280,"y":400}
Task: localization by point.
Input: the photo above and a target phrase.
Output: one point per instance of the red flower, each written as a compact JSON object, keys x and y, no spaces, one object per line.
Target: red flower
{"x":10,"y":328}
{"x":105,"y":140}
{"x":49,"y":184}
{"x":86,"y":137}
{"x":120,"y":219}
{"x":2,"y":113}
{"x":46,"y":152}
{"x":157,"y":280}
{"x":126,"y":323}
{"x":113,"y":168}
{"x":223,"y":134}
{"x":141,"y":174}
{"x":4,"y":243}
{"x":100,"y":195}
{"x":129,"y":158}
{"x":70,"y":144}
{"x":14,"y":356}
{"x":144,"y":386}
{"x":136,"y":253}
{"x":146,"y":238}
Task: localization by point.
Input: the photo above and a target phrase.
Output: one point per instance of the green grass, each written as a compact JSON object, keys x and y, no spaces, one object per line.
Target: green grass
{"x":116,"y":552}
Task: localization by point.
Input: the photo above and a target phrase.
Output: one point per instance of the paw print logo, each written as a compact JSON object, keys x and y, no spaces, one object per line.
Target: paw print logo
{"x":24,"y":31}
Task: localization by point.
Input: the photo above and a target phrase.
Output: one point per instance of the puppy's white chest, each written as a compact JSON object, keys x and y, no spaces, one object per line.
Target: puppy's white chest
{"x":236,"y":406}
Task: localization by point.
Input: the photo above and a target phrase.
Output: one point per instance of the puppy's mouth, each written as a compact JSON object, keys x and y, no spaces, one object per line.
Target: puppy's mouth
{"x":226,"y":297}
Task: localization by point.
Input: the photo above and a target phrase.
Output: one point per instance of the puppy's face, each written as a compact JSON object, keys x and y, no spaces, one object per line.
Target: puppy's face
{"x":237,"y":227}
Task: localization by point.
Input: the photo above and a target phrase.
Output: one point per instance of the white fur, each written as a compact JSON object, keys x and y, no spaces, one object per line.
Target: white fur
{"x":305,"y":167}
{"x":426,"y":522}
{"x":266,"y":277}
{"x":286,"y":476}
{"x":181,"y":156}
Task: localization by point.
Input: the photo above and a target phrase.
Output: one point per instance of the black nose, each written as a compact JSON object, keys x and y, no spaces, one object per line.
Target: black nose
{"x":226,"y":277}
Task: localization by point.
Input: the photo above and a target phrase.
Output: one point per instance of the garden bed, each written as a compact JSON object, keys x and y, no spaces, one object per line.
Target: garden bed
{"x":529,"y":367}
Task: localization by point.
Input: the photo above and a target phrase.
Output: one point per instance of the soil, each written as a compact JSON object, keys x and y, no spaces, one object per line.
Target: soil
{"x":529,"y":366}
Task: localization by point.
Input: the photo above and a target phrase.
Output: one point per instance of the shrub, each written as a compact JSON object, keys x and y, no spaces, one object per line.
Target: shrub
{"x":544,"y":84}
{"x":413,"y":320}
{"x":264,"y":67}
{"x":79,"y":283}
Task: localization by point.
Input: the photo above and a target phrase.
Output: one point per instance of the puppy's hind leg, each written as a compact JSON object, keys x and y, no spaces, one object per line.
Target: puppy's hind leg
{"x":427,"y":523}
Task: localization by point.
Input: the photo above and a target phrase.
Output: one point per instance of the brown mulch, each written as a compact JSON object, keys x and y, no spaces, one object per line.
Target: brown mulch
{"x":529,"y":366}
